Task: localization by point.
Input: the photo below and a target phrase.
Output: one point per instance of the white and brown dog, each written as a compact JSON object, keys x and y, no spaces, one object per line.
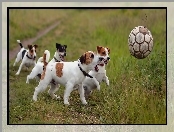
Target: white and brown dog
{"x":39,"y":67}
{"x":68,"y":74}
{"x":28,"y":57}
{"x":99,"y":73}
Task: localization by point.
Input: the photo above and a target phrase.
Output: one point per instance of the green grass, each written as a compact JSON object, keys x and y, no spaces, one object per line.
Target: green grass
{"x":26,"y":23}
{"x":137,"y":91}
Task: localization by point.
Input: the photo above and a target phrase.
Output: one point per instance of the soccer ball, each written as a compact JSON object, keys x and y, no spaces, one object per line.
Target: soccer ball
{"x":140,"y":42}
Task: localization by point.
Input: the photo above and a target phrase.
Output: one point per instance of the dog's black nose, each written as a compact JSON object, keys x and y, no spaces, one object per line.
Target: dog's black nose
{"x":108,"y":58}
{"x":100,"y":59}
{"x":64,"y":54}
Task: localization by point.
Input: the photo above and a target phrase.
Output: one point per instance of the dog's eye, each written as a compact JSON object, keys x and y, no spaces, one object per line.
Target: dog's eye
{"x":92,"y":56}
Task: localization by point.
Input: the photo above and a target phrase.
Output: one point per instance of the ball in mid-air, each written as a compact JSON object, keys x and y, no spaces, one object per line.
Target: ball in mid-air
{"x":140,"y":42}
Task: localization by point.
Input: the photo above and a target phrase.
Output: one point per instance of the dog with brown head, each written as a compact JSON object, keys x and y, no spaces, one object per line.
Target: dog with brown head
{"x":103,"y":53}
{"x":87,"y":58}
{"x":32,"y":49}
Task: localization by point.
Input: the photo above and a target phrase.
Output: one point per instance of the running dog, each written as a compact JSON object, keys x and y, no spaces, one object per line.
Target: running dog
{"x":99,"y":72}
{"x":39,"y":67}
{"x":68,"y":74}
{"x":28,"y":57}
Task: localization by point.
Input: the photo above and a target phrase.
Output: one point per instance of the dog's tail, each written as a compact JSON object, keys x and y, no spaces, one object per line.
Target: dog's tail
{"x":19,"y":42}
{"x":40,"y":59}
{"x":46,"y":57}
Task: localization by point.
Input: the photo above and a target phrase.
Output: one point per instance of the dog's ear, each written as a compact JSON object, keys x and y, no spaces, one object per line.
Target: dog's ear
{"x":35,"y":46}
{"x":83,"y":58}
{"x":65,"y":46}
{"x":58,"y":45}
{"x":108,"y":50}
{"x":99,"y":48}
{"x":30,"y":46}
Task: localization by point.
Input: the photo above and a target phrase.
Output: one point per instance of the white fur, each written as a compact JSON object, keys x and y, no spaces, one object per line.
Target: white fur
{"x":89,"y":84}
{"x":25,"y":61}
{"x":18,"y":41}
{"x":40,"y":59}
{"x":47,"y":55}
{"x":72,"y":75}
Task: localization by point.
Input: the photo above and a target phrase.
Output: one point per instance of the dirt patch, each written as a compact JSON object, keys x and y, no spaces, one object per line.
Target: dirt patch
{"x":13,"y":53}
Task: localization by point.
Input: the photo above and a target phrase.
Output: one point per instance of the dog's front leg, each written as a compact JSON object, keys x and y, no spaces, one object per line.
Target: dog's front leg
{"x":17,"y":59}
{"x":82,"y":94}
{"x":68,"y":90}
{"x":106,"y":80}
{"x":20,"y":67}
{"x":96,"y":83}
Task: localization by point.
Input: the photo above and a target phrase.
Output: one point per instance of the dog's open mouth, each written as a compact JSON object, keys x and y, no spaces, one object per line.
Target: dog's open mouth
{"x":102,"y":64}
{"x":61,"y":57}
{"x":96,"y":68}
{"x":106,"y":62}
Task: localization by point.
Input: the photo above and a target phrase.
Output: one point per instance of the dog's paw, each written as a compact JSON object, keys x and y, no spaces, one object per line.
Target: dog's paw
{"x":34,"y":98}
{"x":84,"y":102}
{"x":66,"y":103}
{"x":98,"y":87}
{"x":17,"y":73}
{"x":27,"y":82}
{"x":107,"y":82}
{"x":57,"y":97}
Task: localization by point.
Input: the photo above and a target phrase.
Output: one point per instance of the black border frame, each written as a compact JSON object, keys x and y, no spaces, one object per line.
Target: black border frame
{"x":8,"y":8}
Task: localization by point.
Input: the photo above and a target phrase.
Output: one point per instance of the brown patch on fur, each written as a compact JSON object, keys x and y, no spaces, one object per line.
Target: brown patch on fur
{"x":101,"y":51}
{"x":43,"y":74}
{"x":45,"y":65}
{"x":44,"y":60}
{"x":30,"y":46}
{"x":59,"y":67}
{"x":87,"y":58}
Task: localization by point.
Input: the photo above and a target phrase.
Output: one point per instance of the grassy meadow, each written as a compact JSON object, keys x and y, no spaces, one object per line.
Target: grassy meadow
{"x":137,"y":91}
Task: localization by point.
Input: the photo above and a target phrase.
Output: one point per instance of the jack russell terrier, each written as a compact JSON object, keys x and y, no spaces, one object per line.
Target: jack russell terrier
{"x":68,"y":74}
{"x":99,"y":72}
{"x":28,"y":57}
{"x":39,"y":67}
